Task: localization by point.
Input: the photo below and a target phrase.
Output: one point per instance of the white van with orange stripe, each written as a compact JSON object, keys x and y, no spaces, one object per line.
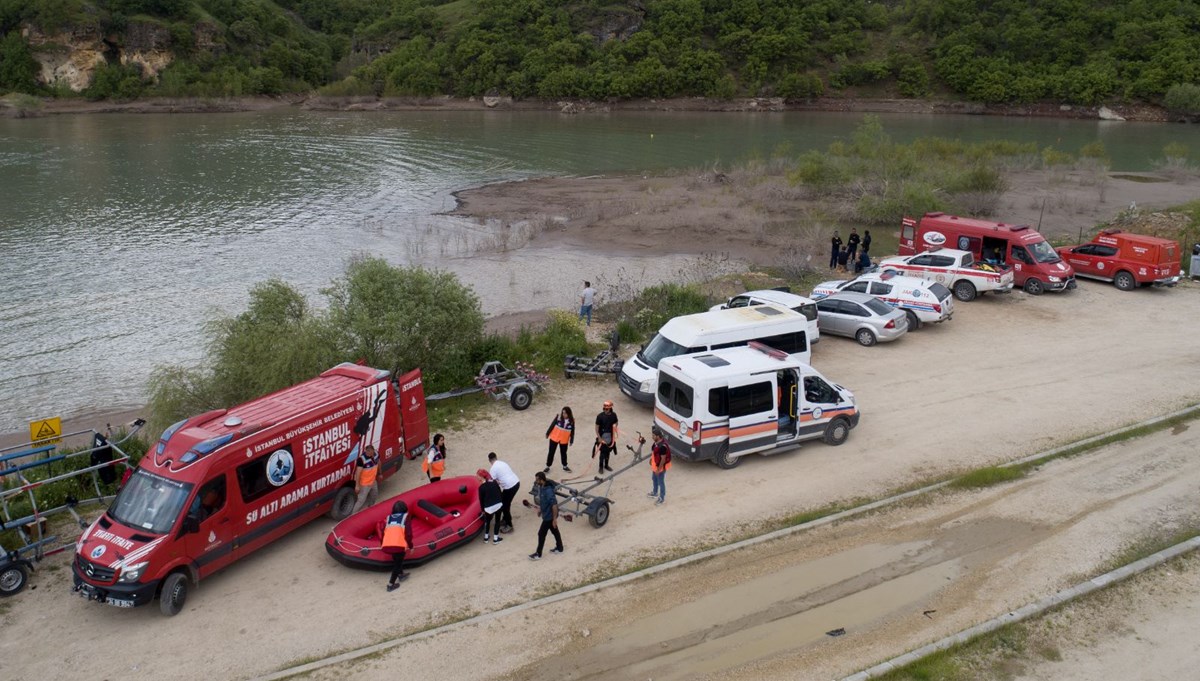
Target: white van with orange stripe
{"x":723,"y":404}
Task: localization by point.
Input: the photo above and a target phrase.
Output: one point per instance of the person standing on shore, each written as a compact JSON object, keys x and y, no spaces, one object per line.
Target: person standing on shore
{"x":606,"y":435}
{"x":660,"y":463}
{"x":366,"y":479}
{"x":491,"y":500}
{"x":548,"y":511}
{"x":586,"y":299}
{"x":509,"y":483}
{"x":852,"y":243}
{"x":843,"y":258}
{"x":836,"y":247}
{"x":395,"y":534}
{"x":561,"y":434}
{"x":866,"y":242}
{"x":434,"y":464}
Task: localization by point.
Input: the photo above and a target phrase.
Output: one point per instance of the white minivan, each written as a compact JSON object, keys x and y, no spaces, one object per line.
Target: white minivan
{"x":722,"y":405}
{"x":772,"y":325}
{"x":783,"y":297}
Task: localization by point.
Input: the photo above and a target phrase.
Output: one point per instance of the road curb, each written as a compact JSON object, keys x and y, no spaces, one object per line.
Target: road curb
{"x":1033,"y":609}
{"x":712,"y":553}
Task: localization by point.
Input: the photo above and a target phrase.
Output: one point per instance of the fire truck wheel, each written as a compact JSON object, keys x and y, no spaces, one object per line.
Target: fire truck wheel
{"x":723,"y":460}
{"x":964,"y":291}
{"x":913,"y":322}
{"x":343,"y":503}
{"x":13,"y":578}
{"x":521,"y":398}
{"x":836,"y":432}
{"x":1034,"y":287}
{"x":174,"y":594}
{"x":1124,"y":281}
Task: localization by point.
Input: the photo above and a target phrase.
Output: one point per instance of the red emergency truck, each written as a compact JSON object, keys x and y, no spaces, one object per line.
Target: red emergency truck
{"x":217,"y":486}
{"x":1127,"y":260}
{"x":1036,"y":266}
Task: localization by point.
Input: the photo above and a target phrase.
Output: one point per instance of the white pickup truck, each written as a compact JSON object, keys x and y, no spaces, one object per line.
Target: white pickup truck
{"x":954,"y":269}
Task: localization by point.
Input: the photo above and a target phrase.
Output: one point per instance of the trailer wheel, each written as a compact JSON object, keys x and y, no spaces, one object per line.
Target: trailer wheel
{"x":13,"y":578}
{"x":836,"y":432}
{"x":964,"y":291}
{"x":521,"y":398}
{"x":174,"y":594}
{"x":723,"y":460}
{"x":599,"y":515}
{"x":1124,"y":281}
{"x":343,"y":503}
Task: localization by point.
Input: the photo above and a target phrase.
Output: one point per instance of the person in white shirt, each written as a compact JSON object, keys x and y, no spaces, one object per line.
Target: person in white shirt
{"x":586,"y":299}
{"x":509,"y":483}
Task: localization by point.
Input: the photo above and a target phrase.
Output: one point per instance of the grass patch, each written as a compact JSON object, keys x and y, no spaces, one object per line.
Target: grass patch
{"x":986,"y":477}
{"x":1147,"y":546}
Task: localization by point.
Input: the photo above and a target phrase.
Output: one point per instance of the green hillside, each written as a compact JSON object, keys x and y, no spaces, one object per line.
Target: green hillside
{"x":997,"y":51}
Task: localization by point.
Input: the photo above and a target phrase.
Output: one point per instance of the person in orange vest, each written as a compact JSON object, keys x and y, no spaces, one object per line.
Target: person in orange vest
{"x":366,"y":479}
{"x":395,"y":534}
{"x":434,"y":464}
{"x":561,"y":433}
{"x":660,"y":463}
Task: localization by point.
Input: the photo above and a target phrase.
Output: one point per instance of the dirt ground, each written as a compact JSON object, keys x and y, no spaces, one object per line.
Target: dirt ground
{"x":1006,"y":377}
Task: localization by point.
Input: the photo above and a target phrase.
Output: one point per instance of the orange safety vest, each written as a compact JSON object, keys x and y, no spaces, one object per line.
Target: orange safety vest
{"x":656,"y":467}
{"x":560,"y":435}
{"x":367,"y":474}
{"x":393,"y":532}
{"x":435,"y":468}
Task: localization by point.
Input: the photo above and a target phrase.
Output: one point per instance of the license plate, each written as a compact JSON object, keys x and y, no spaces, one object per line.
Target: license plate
{"x":119,"y":603}
{"x":626,"y":391}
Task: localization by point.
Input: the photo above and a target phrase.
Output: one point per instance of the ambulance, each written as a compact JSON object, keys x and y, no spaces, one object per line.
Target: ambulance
{"x":218,"y":486}
{"x":723,"y":404}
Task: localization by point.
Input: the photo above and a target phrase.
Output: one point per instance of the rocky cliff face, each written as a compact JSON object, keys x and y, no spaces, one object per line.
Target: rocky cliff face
{"x":71,"y":57}
{"x":68,"y":58}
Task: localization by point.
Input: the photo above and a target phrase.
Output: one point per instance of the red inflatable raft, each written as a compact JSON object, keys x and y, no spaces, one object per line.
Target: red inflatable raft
{"x":444,"y":515}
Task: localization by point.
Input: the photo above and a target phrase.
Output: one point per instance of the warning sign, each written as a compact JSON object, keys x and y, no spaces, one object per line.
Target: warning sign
{"x":46,"y":431}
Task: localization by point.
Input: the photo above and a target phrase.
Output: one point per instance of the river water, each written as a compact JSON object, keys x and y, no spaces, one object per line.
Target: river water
{"x":120,"y":235}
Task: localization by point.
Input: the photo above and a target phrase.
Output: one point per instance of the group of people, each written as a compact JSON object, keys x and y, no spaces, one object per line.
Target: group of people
{"x":842,"y":258}
{"x":499,"y":485}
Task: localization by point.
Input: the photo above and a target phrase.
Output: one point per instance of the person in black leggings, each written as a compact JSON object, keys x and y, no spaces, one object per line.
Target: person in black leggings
{"x":491,"y":500}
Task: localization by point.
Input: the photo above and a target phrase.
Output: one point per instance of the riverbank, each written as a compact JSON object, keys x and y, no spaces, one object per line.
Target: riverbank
{"x":26,"y":107}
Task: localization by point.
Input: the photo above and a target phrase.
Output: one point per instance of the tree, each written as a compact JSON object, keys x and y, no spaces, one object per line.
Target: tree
{"x":400,"y":318}
{"x":18,"y":68}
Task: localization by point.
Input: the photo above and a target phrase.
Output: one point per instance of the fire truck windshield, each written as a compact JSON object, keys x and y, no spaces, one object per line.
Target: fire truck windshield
{"x":149,"y":502}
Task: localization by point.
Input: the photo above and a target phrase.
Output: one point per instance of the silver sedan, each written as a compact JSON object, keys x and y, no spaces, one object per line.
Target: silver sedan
{"x":862,"y":317}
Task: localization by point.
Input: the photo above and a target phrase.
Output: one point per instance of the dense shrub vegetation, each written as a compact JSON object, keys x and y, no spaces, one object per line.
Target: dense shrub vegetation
{"x":1001,"y":51}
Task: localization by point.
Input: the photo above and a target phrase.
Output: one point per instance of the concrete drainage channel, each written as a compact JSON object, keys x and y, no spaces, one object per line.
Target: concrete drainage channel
{"x":908,"y":658}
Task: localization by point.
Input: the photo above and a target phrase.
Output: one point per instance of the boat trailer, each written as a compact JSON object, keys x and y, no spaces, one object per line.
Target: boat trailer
{"x":501,"y":383}
{"x":577,"y":501}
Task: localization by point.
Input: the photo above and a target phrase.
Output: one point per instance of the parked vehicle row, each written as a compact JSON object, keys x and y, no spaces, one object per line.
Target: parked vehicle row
{"x":923,"y":302}
{"x":1127,"y":260}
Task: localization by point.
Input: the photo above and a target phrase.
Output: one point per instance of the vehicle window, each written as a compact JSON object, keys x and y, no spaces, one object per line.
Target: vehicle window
{"x":1086,"y":249}
{"x":827,"y":306}
{"x":664,"y":390}
{"x":925,"y":260}
{"x":150,"y":502}
{"x":682,"y":401}
{"x":210,"y":499}
{"x":942,"y":261}
{"x":1020,"y":255}
{"x":906,"y":232}
{"x":734,"y":344}
{"x":790,"y":343}
{"x":939,"y":290}
{"x":1170,"y":252}
{"x":739,"y":301}
{"x":1043,"y":252}
{"x":880,"y":289}
{"x":268,"y":472}
{"x":817,"y":390}
{"x":1105,"y":251}
{"x":878,"y":306}
{"x":658,"y":347}
{"x":718,"y":401}
{"x":853,"y":309}
{"x":756,"y":398}
{"x":809,"y":310}
{"x":857,"y":287}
